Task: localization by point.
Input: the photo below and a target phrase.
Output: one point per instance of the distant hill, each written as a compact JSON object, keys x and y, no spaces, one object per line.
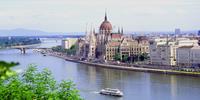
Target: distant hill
{"x":29,"y":32}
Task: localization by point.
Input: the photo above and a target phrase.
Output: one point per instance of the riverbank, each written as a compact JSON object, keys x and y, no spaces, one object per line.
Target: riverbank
{"x":138,"y":69}
{"x":130,"y":68}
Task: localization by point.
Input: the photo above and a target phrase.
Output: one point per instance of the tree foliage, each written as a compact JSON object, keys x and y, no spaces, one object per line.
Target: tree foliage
{"x":5,"y":70}
{"x":117,"y":57}
{"x":134,"y":58}
{"x":125,"y":58}
{"x":14,"y":41}
{"x":59,"y":49}
{"x":35,"y":85}
{"x":70,"y":51}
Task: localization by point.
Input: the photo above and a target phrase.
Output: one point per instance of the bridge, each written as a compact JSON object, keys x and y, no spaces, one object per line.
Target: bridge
{"x":23,"y":48}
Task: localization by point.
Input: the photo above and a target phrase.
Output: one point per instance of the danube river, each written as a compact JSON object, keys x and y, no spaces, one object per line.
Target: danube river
{"x":89,"y":79}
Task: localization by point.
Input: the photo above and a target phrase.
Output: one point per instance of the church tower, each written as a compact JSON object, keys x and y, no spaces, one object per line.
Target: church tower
{"x":92,"y":44}
{"x":105,"y":31}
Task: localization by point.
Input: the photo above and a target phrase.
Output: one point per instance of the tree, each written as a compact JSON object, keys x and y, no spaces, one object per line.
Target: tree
{"x":117,"y":57}
{"x":14,"y":41}
{"x":125,"y":58}
{"x":137,"y":57}
{"x":59,"y":49}
{"x":72,"y":50}
{"x":35,"y":85}
{"x":143,"y":56}
{"x":5,"y":70}
{"x":131,"y":58}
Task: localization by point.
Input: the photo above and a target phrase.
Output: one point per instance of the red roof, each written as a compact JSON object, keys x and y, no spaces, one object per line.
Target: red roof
{"x":116,"y":36}
{"x":112,"y":43}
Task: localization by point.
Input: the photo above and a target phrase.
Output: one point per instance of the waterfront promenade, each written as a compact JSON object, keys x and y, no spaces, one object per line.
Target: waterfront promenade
{"x":140,"y":68}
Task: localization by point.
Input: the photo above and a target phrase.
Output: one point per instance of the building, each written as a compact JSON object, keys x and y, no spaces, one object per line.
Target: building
{"x":160,"y":52}
{"x":188,"y":56}
{"x":80,"y":47}
{"x":112,"y":48}
{"x":91,"y":45}
{"x":67,"y":43}
{"x":199,"y":33}
{"x":105,"y":44}
{"x":104,"y":36}
{"x":163,"y":50}
{"x":177,"y":31}
{"x":131,"y":47}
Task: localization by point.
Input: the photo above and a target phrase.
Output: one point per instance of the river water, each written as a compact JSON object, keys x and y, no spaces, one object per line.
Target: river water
{"x":89,"y":79}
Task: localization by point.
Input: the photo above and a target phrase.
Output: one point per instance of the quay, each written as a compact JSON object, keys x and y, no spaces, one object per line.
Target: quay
{"x":137,"y":69}
{"x":132,"y":68}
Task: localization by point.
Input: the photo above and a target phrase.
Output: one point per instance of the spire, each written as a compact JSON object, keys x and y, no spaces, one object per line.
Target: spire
{"x":122,"y":30}
{"x":93,"y":30}
{"x":92,"y":35}
{"x":167,"y":40}
{"x":91,"y":27}
{"x":86,"y":28}
{"x":105,"y":16}
{"x":86,"y":32}
{"x":119,"y":30}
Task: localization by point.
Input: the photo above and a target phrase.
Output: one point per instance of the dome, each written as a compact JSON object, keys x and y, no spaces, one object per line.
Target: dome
{"x":106,"y":25}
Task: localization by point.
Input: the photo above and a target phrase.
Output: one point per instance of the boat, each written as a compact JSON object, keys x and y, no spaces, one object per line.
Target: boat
{"x":112,"y":92}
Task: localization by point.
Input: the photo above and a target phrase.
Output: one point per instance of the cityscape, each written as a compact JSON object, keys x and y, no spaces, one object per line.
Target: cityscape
{"x":112,"y":56}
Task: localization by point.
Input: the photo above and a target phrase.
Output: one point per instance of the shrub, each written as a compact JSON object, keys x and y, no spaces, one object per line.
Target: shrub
{"x":35,"y":85}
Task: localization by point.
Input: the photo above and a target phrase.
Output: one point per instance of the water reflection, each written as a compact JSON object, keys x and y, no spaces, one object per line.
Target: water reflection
{"x":173,"y":88}
{"x":90,"y":79}
{"x":142,"y":86}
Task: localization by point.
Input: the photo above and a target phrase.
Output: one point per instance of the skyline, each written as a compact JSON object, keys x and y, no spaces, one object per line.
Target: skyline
{"x":72,"y":16}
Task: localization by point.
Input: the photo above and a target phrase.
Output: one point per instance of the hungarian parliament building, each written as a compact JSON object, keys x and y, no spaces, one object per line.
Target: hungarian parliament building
{"x":106,"y":44}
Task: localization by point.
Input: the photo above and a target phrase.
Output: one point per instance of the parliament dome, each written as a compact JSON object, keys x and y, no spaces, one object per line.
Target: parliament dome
{"x":106,"y":25}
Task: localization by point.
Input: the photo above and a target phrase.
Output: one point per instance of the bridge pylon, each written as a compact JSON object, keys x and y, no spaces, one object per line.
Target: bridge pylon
{"x":23,"y":50}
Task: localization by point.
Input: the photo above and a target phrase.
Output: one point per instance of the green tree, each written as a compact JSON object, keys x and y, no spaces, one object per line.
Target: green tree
{"x":59,"y":49}
{"x":72,"y":50}
{"x":117,"y":57}
{"x":143,"y":56}
{"x":35,"y":85}
{"x":14,"y":41}
{"x":5,"y":69}
{"x":125,"y":58}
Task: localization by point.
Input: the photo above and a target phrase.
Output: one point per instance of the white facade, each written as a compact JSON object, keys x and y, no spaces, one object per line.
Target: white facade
{"x":163,"y":51}
{"x":67,"y":43}
{"x":195,"y":55}
{"x":188,"y":56}
{"x":183,"y":56}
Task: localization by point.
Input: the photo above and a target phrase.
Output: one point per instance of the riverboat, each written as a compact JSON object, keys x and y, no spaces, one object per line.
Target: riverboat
{"x":112,"y":92}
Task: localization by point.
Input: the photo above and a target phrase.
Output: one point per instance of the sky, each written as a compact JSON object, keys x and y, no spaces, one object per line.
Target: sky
{"x":74,"y":15}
